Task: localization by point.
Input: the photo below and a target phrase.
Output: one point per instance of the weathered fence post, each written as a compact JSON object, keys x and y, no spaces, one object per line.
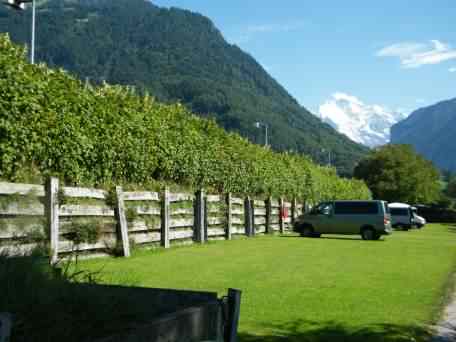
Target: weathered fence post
{"x":200,"y":217}
{"x":165,"y":218}
{"x":252,"y":217}
{"x":248,"y":216}
{"x":228,"y":216}
{"x":6,"y":324}
{"x":52,"y":216}
{"x":122,"y":220}
{"x":234,"y":310}
{"x":294,"y":210}
{"x":269,"y":229}
{"x":281,"y":215}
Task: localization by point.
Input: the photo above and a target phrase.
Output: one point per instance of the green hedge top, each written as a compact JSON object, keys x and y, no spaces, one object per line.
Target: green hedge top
{"x":53,"y":124}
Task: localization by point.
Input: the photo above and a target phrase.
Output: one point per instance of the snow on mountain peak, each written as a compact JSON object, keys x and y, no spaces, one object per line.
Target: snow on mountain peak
{"x":367,"y":124}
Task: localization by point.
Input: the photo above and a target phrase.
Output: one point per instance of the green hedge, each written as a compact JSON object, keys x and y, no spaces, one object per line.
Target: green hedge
{"x":54,"y":124}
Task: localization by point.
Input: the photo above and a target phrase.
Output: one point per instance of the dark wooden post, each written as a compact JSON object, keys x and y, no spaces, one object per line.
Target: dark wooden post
{"x":165,"y":218}
{"x":228,"y":216}
{"x":122,"y":220}
{"x":269,"y":229}
{"x":248,"y":216}
{"x":199,"y":217}
{"x":234,"y":310}
{"x":281,"y":212}
{"x":52,"y":217}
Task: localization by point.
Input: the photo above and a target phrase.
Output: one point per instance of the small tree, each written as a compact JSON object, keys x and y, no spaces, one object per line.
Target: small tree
{"x":451,"y":188}
{"x":398,"y":173}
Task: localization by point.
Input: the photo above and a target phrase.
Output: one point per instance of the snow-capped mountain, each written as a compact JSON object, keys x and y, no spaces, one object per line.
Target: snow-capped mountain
{"x":367,"y":124}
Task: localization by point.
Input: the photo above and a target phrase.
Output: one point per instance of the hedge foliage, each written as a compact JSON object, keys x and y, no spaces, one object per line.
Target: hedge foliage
{"x":98,"y":136}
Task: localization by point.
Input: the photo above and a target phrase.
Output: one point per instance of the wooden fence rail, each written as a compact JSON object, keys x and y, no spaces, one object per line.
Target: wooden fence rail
{"x":96,"y":222}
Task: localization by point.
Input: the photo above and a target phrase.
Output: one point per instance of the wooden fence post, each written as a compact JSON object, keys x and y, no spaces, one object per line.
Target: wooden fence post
{"x":252,"y":217}
{"x":248,"y":216}
{"x":228,"y":216}
{"x":294,"y":210}
{"x":52,"y":216}
{"x":269,"y":230}
{"x":165,"y":218}
{"x":123,"y":225}
{"x":200,"y":217}
{"x":234,"y":310}
{"x":281,"y":213}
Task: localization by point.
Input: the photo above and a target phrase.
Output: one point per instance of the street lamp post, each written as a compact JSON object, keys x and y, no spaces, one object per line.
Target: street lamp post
{"x":20,"y":6}
{"x":329,"y":156}
{"x":266,"y":127}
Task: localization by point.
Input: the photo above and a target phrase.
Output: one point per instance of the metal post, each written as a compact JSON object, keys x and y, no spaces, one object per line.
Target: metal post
{"x":32,"y":49}
{"x":234,"y":311}
{"x":266,"y":143}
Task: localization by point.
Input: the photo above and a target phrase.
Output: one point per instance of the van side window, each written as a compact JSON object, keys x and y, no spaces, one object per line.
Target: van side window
{"x":324,"y":208}
{"x":399,"y":211}
{"x":356,"y":208}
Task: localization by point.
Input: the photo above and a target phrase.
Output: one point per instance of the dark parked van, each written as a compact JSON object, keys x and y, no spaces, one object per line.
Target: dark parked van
{"x":370,"y":219}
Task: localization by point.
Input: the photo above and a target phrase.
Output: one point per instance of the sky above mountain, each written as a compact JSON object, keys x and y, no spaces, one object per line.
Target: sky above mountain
{"x":398,"y":54}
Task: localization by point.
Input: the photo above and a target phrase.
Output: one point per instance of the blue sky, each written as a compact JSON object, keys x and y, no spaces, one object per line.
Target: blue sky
{"x":400,"y":54}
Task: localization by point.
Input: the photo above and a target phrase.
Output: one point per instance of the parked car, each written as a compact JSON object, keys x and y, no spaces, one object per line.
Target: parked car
{"x":405,"y":216}
{"x":370,"y":219}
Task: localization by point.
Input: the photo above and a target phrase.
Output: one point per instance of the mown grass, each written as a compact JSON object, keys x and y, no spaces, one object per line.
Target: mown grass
{"x":297,"y":289}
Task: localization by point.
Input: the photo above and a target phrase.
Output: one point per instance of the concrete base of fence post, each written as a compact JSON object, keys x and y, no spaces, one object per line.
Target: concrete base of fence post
{"x":123,"y":225}
{"x":52,"y":216}
{"x":165,"y":218}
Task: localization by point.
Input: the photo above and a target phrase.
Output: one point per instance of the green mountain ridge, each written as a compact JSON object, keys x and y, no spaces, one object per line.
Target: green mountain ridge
{"x":177,"y":55}
{"x":432,"y":131}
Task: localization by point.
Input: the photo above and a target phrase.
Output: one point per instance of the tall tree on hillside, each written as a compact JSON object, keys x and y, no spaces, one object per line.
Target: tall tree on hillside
{"x":398,"y":173}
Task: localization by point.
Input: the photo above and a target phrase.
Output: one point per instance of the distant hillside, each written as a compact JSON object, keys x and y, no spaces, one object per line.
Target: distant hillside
{"x":432,"y":131}
{"x":177,"y":55}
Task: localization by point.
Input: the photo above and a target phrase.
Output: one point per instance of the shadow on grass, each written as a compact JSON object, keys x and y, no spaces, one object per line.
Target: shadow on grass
{"x":331,"y":237}
{"x":307,"y":331}
{"x":70,"y":306}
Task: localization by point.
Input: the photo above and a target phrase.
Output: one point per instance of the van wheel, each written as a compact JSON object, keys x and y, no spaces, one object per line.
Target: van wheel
{"x":368,"y":234}
{"x":306,"y":231}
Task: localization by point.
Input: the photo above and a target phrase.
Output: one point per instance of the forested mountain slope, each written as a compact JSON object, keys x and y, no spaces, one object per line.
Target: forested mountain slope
{"x":432,"y":131}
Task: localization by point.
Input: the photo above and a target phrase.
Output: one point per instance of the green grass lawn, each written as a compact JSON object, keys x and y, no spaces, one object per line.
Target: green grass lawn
{"x":301,"y":289}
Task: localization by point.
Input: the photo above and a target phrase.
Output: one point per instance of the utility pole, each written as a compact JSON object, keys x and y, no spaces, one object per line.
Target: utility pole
{"x":19,"y":5}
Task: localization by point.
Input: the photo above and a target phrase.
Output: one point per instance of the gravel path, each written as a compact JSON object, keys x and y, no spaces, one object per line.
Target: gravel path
{"x":446,"y":329}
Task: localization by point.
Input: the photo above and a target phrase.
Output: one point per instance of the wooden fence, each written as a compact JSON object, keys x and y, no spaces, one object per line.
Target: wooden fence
{"x":94,"y":222}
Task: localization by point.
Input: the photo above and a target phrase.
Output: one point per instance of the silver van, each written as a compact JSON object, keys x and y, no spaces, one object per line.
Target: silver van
{"x":370,"y":219}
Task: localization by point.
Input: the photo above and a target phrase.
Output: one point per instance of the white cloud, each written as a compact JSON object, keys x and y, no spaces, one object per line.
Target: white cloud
{"x":415,"y":55}
{"x":251,"y":31}
{"x":452,"y":69}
